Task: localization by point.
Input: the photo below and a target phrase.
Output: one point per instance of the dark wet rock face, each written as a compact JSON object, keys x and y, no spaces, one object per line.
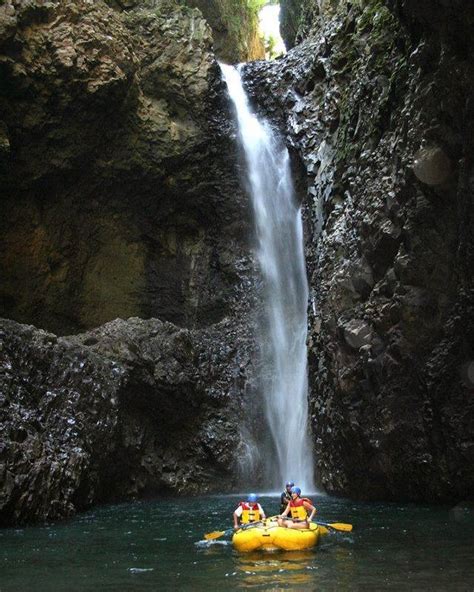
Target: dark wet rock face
{"x":59,"y":414}
{"x":120,"y":198}
{"x":134,"y":408}
{"x":375,"y":100}
{"x":296,"y":18}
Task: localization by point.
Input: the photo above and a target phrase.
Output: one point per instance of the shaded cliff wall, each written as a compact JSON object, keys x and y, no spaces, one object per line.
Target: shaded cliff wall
{"x":296,"y":18}
{"x":118,"y":174}
{"x":376,"y":101}
{"x":134,"y":408}
{"x":120,"y":198}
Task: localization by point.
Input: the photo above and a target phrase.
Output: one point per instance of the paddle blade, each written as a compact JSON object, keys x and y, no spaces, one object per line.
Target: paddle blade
{"x":210,"y":536}
{"x":341,"y":526}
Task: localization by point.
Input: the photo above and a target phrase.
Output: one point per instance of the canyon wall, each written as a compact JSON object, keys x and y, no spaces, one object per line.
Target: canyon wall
{"x":121,"y":204}
{"x":375,"y":100}
{"x":128,"y":364}
{"x":234,"y":26}
{"x":119,"y":176}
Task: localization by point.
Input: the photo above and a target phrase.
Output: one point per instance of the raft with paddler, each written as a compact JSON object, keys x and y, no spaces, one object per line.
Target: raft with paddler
{"x":293,"y":530}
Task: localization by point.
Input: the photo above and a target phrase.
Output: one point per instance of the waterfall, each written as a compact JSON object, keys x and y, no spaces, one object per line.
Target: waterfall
{"x":281,"y":258}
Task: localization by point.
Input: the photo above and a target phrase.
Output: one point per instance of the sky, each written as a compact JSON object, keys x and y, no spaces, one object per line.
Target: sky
{"x":269,"y":24}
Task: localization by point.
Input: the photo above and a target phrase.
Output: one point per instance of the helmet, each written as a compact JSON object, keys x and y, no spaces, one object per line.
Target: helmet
{"x":252,"y":497}
{"x":290,"y":483}
{"x":296,"y":490}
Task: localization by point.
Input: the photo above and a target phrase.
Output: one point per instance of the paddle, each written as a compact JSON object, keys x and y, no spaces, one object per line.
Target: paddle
{"x":336,"y":526}
{"x":217,"y":534}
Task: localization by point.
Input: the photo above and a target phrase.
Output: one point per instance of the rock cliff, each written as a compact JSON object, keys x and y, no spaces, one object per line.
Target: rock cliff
{"x":375,"y":101}
{"x":120,"y":198}
{"x":133,"y":408}
{"x":234,"y":27}
{"x":121,"y":194}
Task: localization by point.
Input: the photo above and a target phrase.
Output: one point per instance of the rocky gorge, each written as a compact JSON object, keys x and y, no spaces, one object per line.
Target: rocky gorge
{"x":375,"y":102}
{"x":129,"y":286}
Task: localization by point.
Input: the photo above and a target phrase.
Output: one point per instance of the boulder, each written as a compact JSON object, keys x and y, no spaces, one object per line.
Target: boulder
{"x":357,"y":333}
{"x":431,"y":165}
{"x":136,"y":407}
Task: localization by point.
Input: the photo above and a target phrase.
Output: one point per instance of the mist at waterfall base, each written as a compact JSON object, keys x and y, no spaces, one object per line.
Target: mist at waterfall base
{"x":282,"y":334}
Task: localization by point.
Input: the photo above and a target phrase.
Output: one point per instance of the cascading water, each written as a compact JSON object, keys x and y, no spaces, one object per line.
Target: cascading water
{"x":281,"y":258}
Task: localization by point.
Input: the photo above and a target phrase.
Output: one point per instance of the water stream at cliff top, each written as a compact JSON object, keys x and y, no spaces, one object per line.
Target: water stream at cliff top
{"x":282,"y":338}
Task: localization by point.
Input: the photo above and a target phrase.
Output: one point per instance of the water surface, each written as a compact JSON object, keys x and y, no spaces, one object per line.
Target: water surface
{"x":154,"y":546}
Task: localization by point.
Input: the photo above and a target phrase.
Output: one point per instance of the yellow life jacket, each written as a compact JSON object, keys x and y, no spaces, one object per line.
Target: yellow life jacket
{"x":250,"y":513}
{"x":298,"y":511}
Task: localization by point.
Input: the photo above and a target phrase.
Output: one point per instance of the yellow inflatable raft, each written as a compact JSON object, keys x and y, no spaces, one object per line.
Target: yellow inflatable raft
{"x":269,"y":536}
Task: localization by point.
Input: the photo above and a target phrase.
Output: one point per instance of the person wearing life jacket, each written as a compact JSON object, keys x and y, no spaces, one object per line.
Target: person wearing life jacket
{"x":248,"y":512}
{"x":285,"y":497}
{"x":298,"y":508}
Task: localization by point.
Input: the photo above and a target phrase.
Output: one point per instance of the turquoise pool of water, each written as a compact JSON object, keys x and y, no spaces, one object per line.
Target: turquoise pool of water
{"x":157,"y":545}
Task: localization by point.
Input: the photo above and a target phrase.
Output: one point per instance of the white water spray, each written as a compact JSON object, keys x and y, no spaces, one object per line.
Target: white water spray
{"x":281,"y":258}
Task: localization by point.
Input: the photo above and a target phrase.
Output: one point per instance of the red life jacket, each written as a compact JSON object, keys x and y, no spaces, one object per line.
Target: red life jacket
{"x":250,"y":512}
{"x":301,"y":500}
{"x":298,"y":511}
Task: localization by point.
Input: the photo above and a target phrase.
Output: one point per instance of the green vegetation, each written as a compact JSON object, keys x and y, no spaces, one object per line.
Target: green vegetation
{"x":270,"y":43}
{"x":257,"y":5}
{"x":377,"y":29}
{"x":235,"y":27}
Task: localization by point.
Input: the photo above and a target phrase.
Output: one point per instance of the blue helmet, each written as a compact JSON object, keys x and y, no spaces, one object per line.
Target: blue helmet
{"x":290,"y":484}
{"x":296,"y":490}
{"x":252,"y":497}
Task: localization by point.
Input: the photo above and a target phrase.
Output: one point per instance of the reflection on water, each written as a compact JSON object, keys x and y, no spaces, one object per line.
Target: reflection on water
{"x":282,"y":568}
{"x":158,"y":547}
{"x":345,"y":566}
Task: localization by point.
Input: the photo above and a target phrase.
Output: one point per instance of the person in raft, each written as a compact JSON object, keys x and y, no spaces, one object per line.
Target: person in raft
{"x":285,"y":497}
{"x":248,"y":512}
{"x":299,"y":508}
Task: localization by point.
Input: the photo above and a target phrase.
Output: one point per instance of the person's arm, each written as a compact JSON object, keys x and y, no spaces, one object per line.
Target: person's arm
{"x":311,"y":509}
{"x":262,"y":513}
{"x":287,"y":510}
{"x":237,"y":515}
